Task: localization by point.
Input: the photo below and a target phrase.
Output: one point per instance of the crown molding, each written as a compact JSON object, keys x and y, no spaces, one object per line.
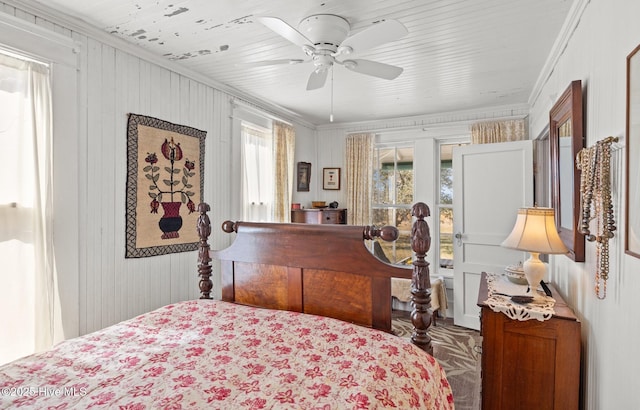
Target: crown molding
{"x":444,"y":119}
{"x":22,"y":38}
{"x":562,"y":40}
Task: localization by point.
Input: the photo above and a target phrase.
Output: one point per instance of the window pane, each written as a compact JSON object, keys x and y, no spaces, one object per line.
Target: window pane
{"x":383,"y":175}
{"x":446,"y":238}
{"x":404,"y":186}
{"x":382,"y":216}
{"x":446,"y":175}
{"x":403,"y":243}
{"x":382,"y":183}
{"x":393,"y":196}
{"x":257,"y":174}
{"x":400,"y":250}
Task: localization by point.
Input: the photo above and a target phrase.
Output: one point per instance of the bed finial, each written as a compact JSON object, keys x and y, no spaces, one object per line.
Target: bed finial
{"x":386,"y":233}
{"x":204,"y":260}
{"x":229,"y":226}
{"x":421,"y":283}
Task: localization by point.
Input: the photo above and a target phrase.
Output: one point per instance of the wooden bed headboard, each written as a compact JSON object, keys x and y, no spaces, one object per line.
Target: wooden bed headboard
{"x":318,"y":269}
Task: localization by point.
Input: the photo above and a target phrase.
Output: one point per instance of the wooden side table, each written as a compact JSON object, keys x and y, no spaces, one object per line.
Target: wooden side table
{"x":529,"y":364}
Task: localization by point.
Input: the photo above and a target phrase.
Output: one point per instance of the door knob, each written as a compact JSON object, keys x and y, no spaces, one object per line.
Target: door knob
{"x":458,"y":237}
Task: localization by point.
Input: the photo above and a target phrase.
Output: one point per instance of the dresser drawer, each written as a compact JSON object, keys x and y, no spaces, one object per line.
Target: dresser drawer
{"x":319,"y":216}
{"x":331,"y":217}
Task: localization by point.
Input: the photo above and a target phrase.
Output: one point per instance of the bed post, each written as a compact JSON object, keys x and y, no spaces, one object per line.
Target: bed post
{"x":420,"y":282}
{"x":204,"y":260}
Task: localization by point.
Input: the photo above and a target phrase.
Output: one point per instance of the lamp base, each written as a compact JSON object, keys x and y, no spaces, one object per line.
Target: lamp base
{"x":534,"y":270}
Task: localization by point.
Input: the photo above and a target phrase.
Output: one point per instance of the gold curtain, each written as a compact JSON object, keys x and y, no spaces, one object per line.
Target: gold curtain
{"x":498,"y":131}
{"x":359,"y":164}
{"x":284,"y":136}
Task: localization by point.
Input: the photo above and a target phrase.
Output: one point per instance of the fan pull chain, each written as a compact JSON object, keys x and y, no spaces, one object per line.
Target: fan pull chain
{"x":331,"y":114}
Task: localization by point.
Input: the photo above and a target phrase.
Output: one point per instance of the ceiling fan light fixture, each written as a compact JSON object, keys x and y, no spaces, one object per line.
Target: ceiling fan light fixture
{"x":323,"y":37}
{"x":323,"y":61}
{"x":344,"y":50}
{"x":327,"y":29}
{"x":350,"y":64}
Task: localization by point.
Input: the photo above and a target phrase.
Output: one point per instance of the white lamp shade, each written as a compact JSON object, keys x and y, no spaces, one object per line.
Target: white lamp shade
{"x":535,"y":231}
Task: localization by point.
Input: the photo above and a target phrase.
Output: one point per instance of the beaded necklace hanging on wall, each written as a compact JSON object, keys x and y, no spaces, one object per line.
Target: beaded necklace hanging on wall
{"x":595,"y":193}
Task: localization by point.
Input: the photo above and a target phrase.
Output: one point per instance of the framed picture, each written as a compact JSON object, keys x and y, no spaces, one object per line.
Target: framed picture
{"x":331,"y":178}
{"x":632,"y":240}
{"x":304,"y":176}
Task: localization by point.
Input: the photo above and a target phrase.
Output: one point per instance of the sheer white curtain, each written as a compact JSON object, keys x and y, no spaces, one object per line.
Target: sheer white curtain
{"x":284,"y":136}
{"x":257,"y":174}
{"x":359,"y":164}
{"x":27,"y":274}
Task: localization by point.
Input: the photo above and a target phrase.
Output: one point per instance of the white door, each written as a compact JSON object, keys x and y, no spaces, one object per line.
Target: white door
{"x":490,"y":183}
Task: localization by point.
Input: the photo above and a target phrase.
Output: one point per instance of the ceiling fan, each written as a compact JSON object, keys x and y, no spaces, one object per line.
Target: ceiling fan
{"x":325,"y":37}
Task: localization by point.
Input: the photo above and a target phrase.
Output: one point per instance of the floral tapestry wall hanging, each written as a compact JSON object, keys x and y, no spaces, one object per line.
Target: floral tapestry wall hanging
{"x":165,"y":181}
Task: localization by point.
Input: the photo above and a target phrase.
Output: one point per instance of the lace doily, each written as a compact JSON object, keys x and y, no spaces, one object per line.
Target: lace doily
{"x":499,"y":284}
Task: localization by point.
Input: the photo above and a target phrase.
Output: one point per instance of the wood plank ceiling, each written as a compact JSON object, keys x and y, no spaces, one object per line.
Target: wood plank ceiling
{"x":458,"y":55}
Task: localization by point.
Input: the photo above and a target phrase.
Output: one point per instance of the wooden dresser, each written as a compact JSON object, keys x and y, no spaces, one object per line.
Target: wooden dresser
{"x":529,"y":364}
{"x":319,"y":216}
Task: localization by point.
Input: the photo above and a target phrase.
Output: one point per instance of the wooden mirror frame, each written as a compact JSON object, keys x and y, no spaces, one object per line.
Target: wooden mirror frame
{"x":632,"y":231}
{"x":567,"y":108}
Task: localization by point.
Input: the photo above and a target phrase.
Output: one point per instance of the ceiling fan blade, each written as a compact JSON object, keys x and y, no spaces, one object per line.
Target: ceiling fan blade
{"x":272,"y":62}
{"x":286,"y":31}
{"x":373,"y":68}
{"x":317,"y":79}
{"x":375,"y":35}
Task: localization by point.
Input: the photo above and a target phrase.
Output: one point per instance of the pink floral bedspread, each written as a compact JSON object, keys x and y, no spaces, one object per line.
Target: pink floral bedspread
{"x":211,"y":354}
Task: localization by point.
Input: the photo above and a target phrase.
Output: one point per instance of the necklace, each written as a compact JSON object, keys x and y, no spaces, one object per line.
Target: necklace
{"x":595,"y":193}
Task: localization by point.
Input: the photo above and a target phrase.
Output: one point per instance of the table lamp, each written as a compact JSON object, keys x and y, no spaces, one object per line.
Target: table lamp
{"x":535,"y":232}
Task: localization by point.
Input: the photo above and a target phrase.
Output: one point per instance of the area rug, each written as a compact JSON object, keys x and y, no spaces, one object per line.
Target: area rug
{"x":457,"y":349}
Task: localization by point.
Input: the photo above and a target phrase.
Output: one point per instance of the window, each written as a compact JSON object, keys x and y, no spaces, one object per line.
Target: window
{"x":25,"y":233}
{"x":445,"y":206}
{"x":257,"y":173}
{"x":393,"y":193}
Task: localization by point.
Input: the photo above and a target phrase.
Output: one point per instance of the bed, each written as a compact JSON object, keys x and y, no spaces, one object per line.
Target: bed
{"x":278,"y":339}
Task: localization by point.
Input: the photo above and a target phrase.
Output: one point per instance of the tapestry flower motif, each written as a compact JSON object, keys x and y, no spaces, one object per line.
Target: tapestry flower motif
{"x":172,"y":184}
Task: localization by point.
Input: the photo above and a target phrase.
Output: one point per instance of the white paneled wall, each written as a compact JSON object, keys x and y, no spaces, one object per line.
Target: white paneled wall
{"x":112,"y":83}
{"x":116,"y":83}
{"x":596,"y":54}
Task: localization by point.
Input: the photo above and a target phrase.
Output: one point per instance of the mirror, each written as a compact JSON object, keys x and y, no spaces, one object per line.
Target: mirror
{"x":632,"y":239}
{"x":565,"y":141}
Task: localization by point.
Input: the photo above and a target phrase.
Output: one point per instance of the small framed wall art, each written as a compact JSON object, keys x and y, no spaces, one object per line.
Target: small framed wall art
{"x":304,"y":176}
{"x":331,"y":179}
